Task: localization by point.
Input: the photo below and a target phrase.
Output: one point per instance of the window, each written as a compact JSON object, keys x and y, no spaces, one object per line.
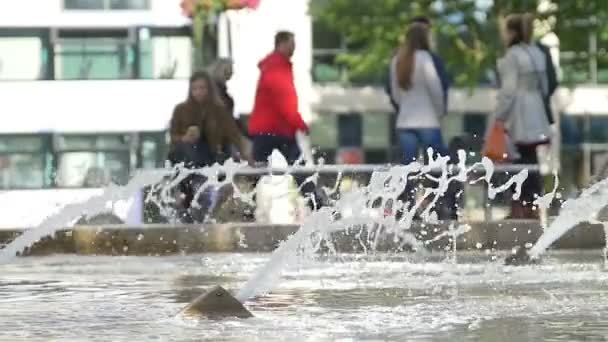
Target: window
{"x":92,"y":160}
{"x":24,"y":162}
{"x":377,"y":131}
{"x":22,"y":171}
{"x":93,"y":58}
{"x":149,"y":154}
{"x":571,"y":128}
{"x":106,"y":4}
{"x":92,"y":169}
{"x":152,"y":151}
{"x":327,"y":45}
{"x":84,"y":4}
{"x":92,"y":142}
{"x":350,"y":130}
{"x":324,"y":131}
{"x":130,"y":4}
{"x":598,"y":130}
{"x":165,"y":56}
{"x":22,"y":58}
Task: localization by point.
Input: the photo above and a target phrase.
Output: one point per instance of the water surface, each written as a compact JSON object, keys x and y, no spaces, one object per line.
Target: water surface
{"x":348,"y":298}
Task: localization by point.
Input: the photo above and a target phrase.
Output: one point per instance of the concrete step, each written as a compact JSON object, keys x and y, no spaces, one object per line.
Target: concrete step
{"x":254,"y":237}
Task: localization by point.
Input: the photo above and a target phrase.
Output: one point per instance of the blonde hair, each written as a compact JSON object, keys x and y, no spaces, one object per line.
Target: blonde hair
{"x":416,"y":38}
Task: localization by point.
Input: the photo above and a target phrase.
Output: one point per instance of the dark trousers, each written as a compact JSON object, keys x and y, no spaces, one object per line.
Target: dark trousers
{"x":263,"y":145}
{"x":533,"y":184}
{"x":193,"y":156}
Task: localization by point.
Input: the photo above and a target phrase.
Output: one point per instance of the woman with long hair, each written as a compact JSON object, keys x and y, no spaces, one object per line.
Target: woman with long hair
{"x":200,"y":132}
{"x":201,"y":126}
{"x":418,"y":92}
{"x":520,"y":106}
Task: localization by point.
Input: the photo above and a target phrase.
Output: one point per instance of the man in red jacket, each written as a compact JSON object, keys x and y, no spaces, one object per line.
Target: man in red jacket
{"x":275,"y":118}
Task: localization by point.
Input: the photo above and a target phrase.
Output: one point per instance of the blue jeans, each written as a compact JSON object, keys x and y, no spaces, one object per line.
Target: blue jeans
{"x":411,"y":139}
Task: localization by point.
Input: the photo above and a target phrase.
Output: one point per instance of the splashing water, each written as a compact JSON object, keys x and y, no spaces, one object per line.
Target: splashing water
{"x":71,"y":212}
{"x":354,"y":209}
{"x":574,"y":211}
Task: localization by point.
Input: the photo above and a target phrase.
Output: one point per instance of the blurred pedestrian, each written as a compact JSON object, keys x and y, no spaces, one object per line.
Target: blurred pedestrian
{"x":521,"y":106}
{"x":417,"y":89}
{"x":221,"y":71}
{"x":275,"y":119}
{"x":200,"y":130}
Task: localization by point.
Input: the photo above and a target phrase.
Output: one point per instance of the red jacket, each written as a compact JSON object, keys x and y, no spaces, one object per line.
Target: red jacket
{"x":276,"y":103}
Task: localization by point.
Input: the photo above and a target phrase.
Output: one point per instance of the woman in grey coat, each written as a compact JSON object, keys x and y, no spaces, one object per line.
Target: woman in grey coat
{"x":520,"y":106}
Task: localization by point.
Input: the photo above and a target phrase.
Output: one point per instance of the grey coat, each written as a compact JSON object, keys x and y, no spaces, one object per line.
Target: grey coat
{"x":520,"y":98}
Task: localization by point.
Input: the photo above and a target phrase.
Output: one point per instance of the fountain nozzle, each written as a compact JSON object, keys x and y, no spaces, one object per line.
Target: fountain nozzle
{"x":217,"y":303}
{"x":520,"y":257}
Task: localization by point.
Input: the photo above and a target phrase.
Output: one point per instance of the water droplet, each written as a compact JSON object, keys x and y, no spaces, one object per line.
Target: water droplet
{"x":478,"y":245}
{"x":140,"y":236}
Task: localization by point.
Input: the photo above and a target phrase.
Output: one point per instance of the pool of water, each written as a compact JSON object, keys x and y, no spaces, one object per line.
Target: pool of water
{"x":346,"y":298}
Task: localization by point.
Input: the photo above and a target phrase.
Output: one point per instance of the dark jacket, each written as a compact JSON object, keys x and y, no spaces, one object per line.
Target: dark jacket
{"x":217,"y":128}
{"x":444,"y":78}
{"x":275,"y":111}
{"x":228,"y":101}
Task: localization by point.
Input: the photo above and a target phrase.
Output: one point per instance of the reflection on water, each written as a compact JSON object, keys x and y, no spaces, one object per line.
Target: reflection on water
{"x":388,"y":297}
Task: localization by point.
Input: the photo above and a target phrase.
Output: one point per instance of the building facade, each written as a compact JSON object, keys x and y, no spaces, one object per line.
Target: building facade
{"x":91,"y":84}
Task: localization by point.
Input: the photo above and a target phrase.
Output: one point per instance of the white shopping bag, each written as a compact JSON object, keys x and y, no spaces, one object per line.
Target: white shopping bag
{"x":305,"y":146}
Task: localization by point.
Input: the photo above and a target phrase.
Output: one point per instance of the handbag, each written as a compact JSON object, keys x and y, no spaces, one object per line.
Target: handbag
{"x":498,"y":145}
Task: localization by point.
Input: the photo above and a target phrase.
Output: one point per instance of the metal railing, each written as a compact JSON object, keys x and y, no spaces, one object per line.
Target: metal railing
{"x":349,"y":170}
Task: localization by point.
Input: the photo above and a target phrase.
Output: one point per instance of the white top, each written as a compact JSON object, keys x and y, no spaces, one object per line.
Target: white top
{"x":422,"y":105}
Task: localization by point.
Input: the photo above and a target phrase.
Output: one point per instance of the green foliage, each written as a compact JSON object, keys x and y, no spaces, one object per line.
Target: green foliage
{"x":575,"y":20}
{"x":466,"y":32}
